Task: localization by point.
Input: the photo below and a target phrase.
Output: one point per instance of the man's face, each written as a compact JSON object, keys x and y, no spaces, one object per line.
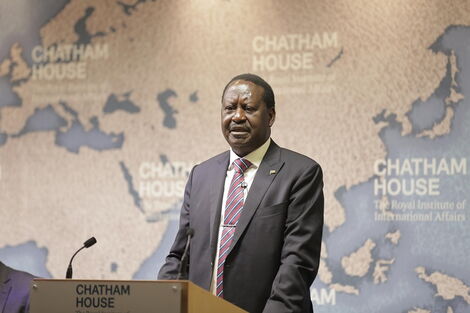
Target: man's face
{"x":246,"y":121}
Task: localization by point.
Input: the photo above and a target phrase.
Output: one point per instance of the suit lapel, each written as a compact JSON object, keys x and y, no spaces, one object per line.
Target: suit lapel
{"x":216,"y":192}
{"x":267,"y":170}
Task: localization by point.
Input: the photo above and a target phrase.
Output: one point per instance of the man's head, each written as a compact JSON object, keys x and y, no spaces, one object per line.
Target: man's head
{"x":247,"y":113}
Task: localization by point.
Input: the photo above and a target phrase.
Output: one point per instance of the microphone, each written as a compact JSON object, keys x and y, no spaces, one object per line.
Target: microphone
{"x":183,"y":270}
{"x":244,"y":184}
{"x":86,"y":244}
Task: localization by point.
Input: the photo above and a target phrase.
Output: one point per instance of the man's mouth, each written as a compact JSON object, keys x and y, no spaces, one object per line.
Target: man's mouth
{"x":239,"y":132}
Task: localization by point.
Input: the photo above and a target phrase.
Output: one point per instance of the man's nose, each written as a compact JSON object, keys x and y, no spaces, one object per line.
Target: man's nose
{"x":239,"y":115}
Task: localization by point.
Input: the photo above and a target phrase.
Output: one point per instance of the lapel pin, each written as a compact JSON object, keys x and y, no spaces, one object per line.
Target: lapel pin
{"x":272,"y":172}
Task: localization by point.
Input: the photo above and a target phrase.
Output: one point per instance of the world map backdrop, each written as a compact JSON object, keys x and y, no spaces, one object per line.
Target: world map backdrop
{"x":105,"y":106}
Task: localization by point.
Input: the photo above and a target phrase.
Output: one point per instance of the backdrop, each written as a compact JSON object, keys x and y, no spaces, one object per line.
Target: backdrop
{"x":105,"y":106}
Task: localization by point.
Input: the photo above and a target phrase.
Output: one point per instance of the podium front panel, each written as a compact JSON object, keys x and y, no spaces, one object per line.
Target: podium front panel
{"x":90,"y":296}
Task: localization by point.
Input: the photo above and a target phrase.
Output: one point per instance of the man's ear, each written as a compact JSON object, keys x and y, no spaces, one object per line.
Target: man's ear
{"x":272,"y":116}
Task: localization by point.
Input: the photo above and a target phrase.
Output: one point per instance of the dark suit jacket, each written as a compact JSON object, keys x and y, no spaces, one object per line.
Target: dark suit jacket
{"x":14,"y":290}
{"x":275,"y":252}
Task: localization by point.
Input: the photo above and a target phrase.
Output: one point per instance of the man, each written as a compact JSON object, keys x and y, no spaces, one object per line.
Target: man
{"x":256,"y":212}
{"x":14,"y":290}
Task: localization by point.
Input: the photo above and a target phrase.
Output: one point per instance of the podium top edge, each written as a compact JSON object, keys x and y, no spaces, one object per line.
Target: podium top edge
{"x":113,"y":280}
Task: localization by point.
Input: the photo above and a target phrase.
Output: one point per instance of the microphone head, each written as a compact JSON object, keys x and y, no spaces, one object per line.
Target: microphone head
{"x":190,"y":232}
{"x":89,"y":242}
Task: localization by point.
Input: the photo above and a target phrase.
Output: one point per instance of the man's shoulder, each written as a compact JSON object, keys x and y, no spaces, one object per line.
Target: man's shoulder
{"x":214,"y":161}
{"x":17,"y":277}
{"x":296,"y":158}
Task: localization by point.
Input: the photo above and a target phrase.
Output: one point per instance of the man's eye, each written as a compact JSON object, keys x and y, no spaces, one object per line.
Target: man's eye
{"x":229,"y":108}
{"x":250,"y":109}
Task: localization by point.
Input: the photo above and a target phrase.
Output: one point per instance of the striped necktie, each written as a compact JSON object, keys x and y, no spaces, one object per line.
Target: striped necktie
{"x":233,"y":210}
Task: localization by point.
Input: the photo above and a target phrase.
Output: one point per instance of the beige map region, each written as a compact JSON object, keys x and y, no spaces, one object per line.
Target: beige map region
{"x":358,"y":262}
{"x":443,"y":127}
{"x":15,"y":65}
{"x":345,"y":288}
{"x":380,"y":270}
{"x":190,"y":46}
{"x":448,"y":287}
{"x":326,"y":276}
{"x":394,"y":237}
{"x":324,"y":273}
{"x":419,"y":310}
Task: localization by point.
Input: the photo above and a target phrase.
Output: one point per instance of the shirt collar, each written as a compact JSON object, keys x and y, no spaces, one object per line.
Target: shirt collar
{"x":255,"y":157}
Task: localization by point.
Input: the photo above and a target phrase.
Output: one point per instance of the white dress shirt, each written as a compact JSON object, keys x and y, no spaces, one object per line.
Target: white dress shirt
{"x":255,"y":157}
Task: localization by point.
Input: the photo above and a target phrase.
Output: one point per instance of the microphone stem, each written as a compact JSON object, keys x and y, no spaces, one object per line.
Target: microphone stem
{"x":68,"y":275}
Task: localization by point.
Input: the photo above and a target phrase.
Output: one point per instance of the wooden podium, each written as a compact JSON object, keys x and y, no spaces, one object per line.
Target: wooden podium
{"x":124,"y":296}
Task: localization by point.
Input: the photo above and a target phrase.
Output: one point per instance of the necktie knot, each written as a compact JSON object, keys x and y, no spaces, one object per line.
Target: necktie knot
{"x":241,"y":165}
